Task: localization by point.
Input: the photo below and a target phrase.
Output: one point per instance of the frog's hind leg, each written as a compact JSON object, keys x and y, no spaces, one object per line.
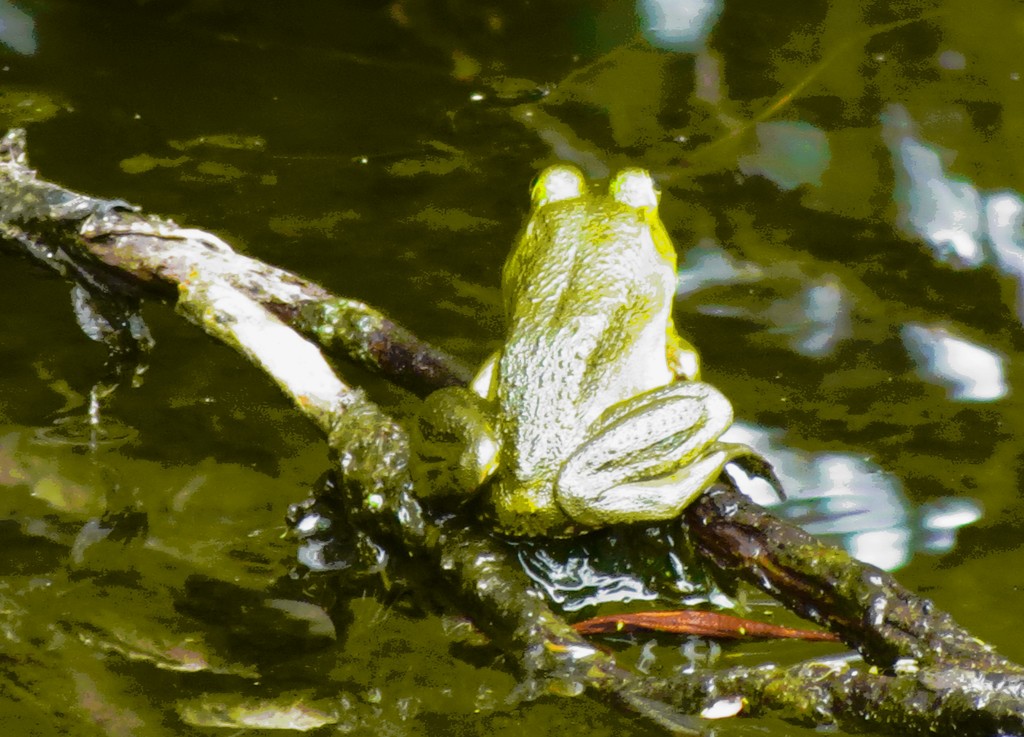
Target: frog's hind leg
{"x":648,"y":457}
{"x":649,"y":500}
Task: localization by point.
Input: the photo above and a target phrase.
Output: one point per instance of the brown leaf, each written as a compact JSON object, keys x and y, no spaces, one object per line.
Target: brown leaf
{"x":703,"y":624}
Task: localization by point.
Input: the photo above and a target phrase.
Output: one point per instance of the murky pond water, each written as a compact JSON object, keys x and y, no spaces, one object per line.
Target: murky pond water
{"x":843,"y":185}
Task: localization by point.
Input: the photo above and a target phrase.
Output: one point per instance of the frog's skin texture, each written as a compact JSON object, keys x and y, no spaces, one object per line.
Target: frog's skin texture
{"x":592,"y":413}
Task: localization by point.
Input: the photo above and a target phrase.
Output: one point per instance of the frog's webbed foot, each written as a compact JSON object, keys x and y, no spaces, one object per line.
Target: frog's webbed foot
{"x":649,"y":457}
{"x":454,"y":446}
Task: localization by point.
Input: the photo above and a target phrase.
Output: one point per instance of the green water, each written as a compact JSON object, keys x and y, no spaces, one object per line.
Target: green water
{"x":342,"y":141}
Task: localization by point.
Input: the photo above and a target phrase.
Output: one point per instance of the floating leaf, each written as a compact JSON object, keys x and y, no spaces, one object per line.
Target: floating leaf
{"x":702,"y":624}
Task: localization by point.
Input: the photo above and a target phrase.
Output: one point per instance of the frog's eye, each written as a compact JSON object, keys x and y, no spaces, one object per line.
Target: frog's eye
{"x":556,"y":184}
{"x":634,"y":187}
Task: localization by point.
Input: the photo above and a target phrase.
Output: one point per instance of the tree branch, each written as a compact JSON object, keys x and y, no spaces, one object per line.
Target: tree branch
{"x":863,"y":604}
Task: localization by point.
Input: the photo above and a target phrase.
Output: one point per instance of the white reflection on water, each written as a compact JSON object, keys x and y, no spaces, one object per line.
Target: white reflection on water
{"x":17,"y":29}
{"x":963,"y":227}
{"x":851,"y":501}
{"x":970,"y":373}
{"x":814,"y":318}
{"x":707,"y":264}
{"x":944,"y":211}
{"x":1004,"y":216}
{"x":678,"y":25}
{"x":789,"y":153}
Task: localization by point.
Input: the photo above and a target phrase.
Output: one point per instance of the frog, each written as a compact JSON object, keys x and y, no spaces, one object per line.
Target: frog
{"x":592,"y":412}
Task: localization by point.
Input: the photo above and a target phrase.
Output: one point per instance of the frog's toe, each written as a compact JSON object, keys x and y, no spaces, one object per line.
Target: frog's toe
{"x":756,"y":465}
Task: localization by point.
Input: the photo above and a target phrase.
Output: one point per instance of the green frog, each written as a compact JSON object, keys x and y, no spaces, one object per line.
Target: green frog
{"x":592,"y":413}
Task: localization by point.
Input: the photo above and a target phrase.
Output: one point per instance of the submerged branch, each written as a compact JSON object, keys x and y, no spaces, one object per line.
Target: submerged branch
{"x":863,"y":604}
{"x":260,"y":311}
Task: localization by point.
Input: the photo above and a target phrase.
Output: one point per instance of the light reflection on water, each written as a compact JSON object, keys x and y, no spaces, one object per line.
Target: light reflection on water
{"x":969,"y":372}
{"x":849,"y":500}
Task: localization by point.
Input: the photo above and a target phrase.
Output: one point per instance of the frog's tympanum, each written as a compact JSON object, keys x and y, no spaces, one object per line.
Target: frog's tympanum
{"x":592,"y":412}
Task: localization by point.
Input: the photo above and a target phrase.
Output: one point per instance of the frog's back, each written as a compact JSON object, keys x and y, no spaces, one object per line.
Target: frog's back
{"x":588,"y":296}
